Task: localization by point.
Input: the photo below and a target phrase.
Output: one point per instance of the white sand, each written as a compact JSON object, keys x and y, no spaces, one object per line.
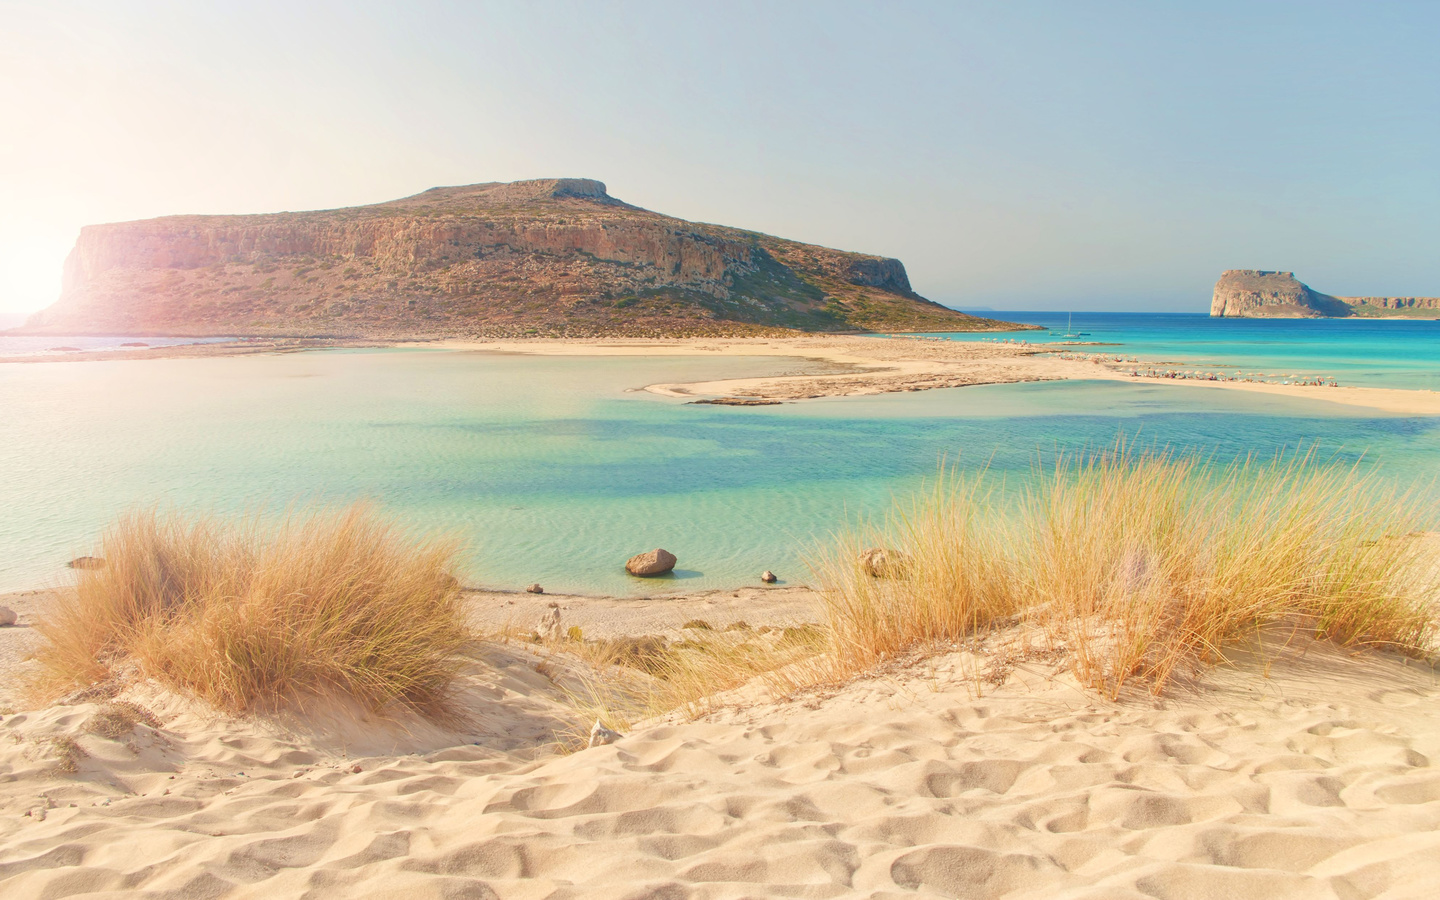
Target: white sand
{"x":1320,"y":781}
{"x":885,"y":365}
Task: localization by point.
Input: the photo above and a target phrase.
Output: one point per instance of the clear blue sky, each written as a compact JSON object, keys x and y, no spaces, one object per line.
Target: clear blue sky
{"x":1016,"y":155}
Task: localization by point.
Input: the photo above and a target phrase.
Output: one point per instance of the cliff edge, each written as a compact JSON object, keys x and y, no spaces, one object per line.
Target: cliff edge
{"x":1254,"y":293}
{"x":552,"y":256}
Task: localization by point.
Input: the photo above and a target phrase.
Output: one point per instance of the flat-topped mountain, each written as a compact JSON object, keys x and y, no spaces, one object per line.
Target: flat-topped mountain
{"x":556,"y":256}
{"x":1259,"y":294}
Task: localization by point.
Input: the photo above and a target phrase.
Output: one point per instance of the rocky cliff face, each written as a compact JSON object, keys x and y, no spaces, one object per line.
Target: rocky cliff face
{"x":1259,"y":294}
{"x":541,"y":257}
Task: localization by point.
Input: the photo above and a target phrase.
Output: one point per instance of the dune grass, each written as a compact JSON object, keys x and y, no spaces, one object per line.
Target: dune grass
{"x":1139,"y":565}
{"x":250,"y":617}
{"x":637,"y":678}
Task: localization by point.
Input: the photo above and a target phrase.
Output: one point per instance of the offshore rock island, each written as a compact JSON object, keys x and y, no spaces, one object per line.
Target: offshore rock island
{"x":1254,"y":293}
{"x":554,"y":257}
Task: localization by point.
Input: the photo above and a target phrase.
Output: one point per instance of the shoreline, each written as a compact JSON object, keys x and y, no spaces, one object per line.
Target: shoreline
{"x":874,"y":365}
{"x":862,"y":365}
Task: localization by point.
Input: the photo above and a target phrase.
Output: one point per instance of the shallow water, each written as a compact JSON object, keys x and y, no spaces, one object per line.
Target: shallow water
{"x":1397,"y":353}
{"x":32,"y":345}
{"x":556,"y":469}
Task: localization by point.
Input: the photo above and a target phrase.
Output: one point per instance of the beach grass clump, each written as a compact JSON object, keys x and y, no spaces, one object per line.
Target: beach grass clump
{"x":1140,"y":564}
{"x":336,"y":603}
{"x":636,"y":678}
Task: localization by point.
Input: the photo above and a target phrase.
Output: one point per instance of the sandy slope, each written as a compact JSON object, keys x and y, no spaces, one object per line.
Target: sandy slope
{"x":1320,"y":781}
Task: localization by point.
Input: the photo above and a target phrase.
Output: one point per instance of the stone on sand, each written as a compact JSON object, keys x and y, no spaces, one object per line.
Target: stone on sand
{"x":7,"y":616}
{"x":600,"y":735}
{"x":549,"y":625}
{"x":883,"y":562}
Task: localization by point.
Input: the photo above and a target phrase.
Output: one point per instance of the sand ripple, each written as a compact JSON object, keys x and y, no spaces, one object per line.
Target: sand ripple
{"x":1316,"y":783}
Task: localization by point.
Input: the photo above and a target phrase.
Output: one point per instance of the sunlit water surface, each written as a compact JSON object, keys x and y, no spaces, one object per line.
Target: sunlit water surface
{"x":557,"y":469}
{"x":1396,"y":353}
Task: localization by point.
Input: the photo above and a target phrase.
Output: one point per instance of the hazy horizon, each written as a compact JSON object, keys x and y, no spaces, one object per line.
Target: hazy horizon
{"x":1019,"y":157}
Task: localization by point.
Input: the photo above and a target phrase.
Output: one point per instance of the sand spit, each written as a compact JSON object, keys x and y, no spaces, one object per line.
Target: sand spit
{"x":856,"y":366}
{"x":971,"y":773}
{"x":837,"y":365}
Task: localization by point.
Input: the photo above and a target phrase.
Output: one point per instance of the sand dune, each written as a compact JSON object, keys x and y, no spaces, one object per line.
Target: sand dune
{"x":1318,"y":781}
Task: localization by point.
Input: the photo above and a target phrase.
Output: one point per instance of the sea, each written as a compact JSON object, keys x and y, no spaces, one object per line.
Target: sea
{"x":30,"y":346}
{"x":557,"y":469}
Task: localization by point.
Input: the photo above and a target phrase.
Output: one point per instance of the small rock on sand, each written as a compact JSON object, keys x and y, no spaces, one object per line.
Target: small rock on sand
{"x":882,"y":562}
{"x":652,"y":562}
{"x":600,"y":735}
{"x":535,"y":589}
{"x":768,"y":577}
{"x":7,"y":616}
{"x":86,"y":562}
{"x":549,"y":625}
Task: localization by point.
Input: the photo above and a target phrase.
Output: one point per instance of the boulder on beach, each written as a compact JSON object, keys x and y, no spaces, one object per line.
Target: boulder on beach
{"x":86,"y":562}
{"x":7,"y":617}
{"x":883,"y":562}
{"x":651,"y":562}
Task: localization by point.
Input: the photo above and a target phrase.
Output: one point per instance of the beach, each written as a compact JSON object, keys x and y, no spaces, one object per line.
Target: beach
{"x":853,"y":365}
{"x":1299,"y":770}
{"x":977,"y":768}
{"x":867,"y":366}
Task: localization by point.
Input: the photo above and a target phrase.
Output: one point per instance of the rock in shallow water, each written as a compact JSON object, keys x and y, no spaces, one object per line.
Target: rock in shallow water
{"x":86,"y":562}
{"x":535,"y":589}
{"x":652,"y":562}
{"x":768,"y":577}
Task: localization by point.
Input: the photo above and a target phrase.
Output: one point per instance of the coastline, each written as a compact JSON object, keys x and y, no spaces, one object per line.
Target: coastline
{"x":861,"y":365}
{"x":875,"y":365}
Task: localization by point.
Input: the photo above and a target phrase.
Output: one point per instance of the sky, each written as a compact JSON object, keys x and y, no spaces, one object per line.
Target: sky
{"x":1018,"y":155}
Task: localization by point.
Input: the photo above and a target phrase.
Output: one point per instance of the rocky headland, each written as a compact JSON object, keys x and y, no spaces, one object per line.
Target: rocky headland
{"x":1255,"y":293}
{"x":554,"y":257}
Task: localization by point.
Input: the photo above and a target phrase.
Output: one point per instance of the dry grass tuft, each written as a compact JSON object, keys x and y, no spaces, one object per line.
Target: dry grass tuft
{"x":118,"y":718}
{"x":249,"y":618}
{"x":68,"y":755}
{"x":641,"y":677}
{"x":1141,"y":564}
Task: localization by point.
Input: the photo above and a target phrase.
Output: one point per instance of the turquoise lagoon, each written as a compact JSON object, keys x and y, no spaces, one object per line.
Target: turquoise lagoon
{"x":1395,"y":353}
{"x":558,"y":469}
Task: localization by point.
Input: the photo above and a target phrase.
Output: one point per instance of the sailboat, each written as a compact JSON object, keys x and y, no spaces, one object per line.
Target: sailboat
{"x":1070,"y":329}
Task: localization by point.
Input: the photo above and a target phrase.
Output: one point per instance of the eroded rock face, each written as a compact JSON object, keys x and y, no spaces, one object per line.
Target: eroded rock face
{"x":1256,"y":293}
{"x":651,"y":562}
{"x":547,"y":256}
